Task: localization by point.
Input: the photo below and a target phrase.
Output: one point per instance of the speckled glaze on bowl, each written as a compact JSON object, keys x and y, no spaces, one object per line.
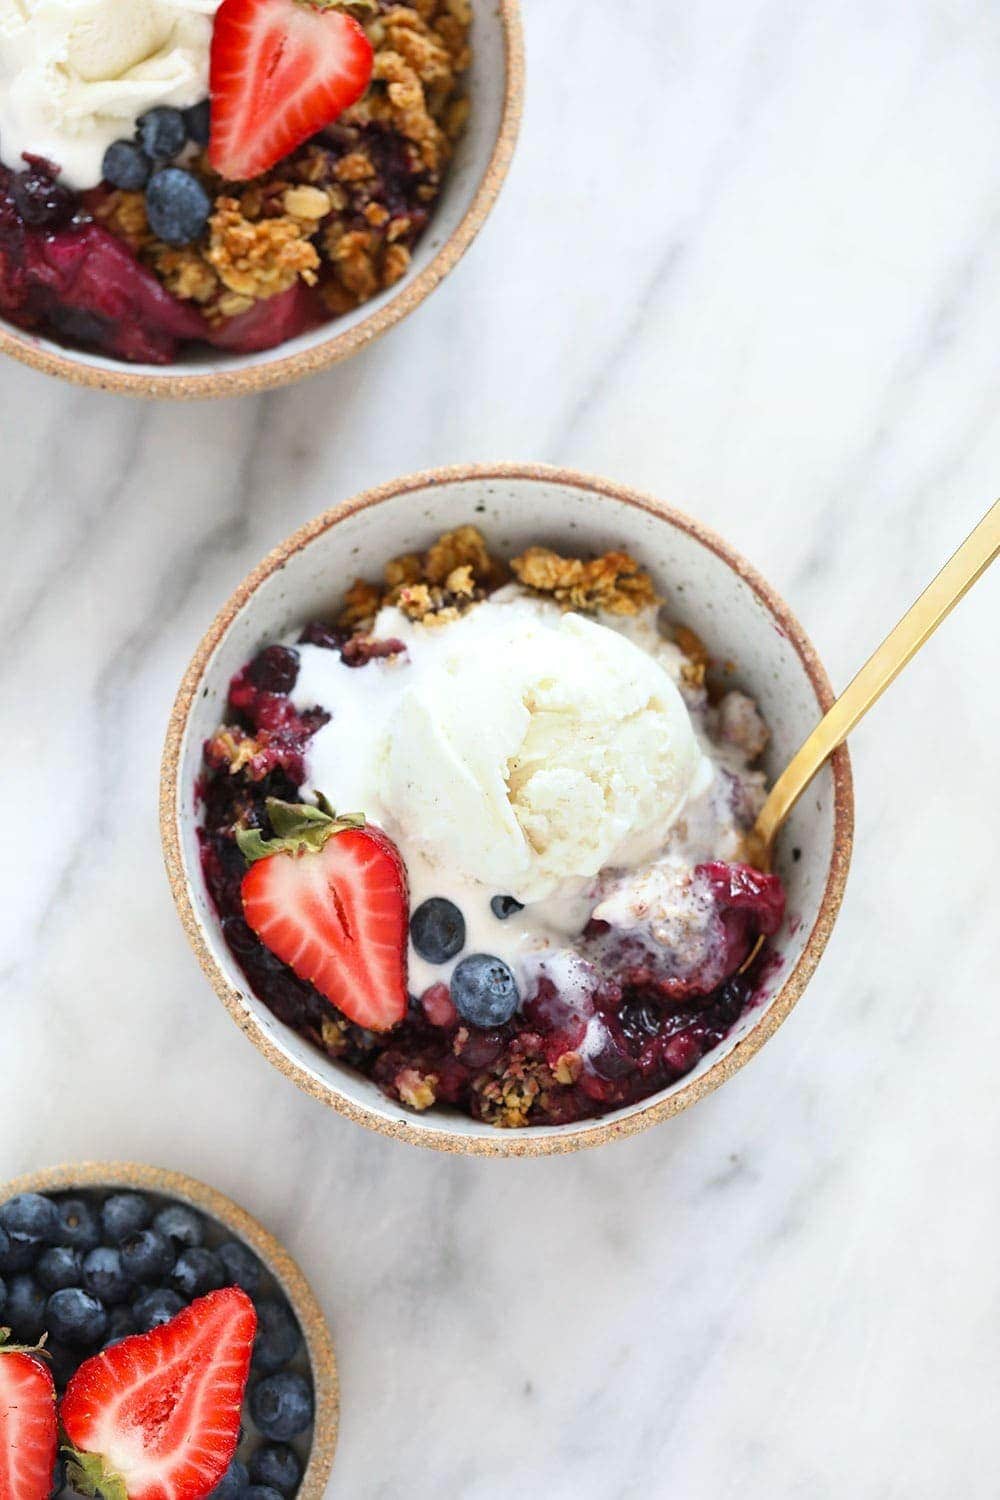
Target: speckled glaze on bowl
{"x":81,"y":1176}
{"x":474,"y":180}
{"x":707,"y":585}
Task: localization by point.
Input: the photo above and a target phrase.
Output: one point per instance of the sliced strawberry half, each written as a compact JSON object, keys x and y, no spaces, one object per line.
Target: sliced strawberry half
{"x":329,"y":897}
{"x":28,"y":1425}
{"x":157,"y":1416}
{"x":280,"y":71}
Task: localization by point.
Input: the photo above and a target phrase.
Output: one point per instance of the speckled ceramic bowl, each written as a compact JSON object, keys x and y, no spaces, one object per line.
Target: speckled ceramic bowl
{"x":475,"y":177}
{"x":235,"y":1221}
{"x":709,"y":587}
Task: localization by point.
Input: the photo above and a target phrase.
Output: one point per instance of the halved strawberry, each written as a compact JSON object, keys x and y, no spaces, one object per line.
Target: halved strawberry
{"x":281,"y":70}
{"x":157,"y":1416}
{"x":329,"y":898}
{"x":28,"y":1425}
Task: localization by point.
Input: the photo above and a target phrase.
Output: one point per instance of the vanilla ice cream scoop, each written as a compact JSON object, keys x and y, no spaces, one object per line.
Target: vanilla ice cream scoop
{"x":530,"y":749}
{"x":75,"y":75}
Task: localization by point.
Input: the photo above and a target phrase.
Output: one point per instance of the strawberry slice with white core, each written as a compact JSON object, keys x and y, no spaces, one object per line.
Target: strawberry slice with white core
{"x":157,"y":1416}
{"x":28,"y":1426}
{"x":332,"y":903}
{"x":281,"y":70}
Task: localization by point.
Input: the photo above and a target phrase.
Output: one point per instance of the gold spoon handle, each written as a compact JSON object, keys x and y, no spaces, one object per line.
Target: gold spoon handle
{"x":937,"y":601}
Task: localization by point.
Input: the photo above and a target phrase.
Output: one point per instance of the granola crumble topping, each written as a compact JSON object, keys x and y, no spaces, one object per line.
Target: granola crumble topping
{"x":614,"y":582}
{"x":343,"y":212}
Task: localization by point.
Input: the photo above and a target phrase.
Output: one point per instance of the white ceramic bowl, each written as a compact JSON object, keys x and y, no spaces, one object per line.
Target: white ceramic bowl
{"x":475,"y":177}
{"x":709,"y":587}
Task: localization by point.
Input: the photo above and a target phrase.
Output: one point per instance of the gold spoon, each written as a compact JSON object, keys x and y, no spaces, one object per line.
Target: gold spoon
{"x":955,"y":579}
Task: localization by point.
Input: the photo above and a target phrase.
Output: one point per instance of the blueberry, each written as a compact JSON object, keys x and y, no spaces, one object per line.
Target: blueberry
{"x":3,"y":1297}
{"x":18,"y":1252}
{"x":180,"y":1224}
{"x":437,"y":928}
{"x":153,"y":1309}
{"x":282,"y":1405}
{"x":243,"y":1269}
{"x":484,"y":991}
{"x":59,"y":1267}
{"x":275,"y":669}
{"x":124,"y":1214}
{"x":607,"y":1052}
{"x":41,"y":201}
{"x":177,"y":206}
{"x":79,"y":1224}
{"x":76,"y":1317}
{"x":198,"y":122}
{"x":162,"y":133}
{"x":277,"y":1466}
{"x":278,"y":1336}
{"x":59,"y":1476}
{"x":640,"y":1019}
{"x":126,"y":166}
{"x":328,"y":637}
{"x":234,"y":1483}
{"x":32,"y":1215}
{"x":25,"y":1310}
{"x":147,"y":1256}
{"x":121,"y":1324}
{"x":503,"y":907}
{"x":262,"y":1492}
{"x":105,"y":1276}
{"x":63,"y":1362}
{"x":196,"y":1272}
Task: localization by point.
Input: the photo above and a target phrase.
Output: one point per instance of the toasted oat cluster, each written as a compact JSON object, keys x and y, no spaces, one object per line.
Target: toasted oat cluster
{"x":613,"y":582}
{"x":344,"y":212}
{"x":437,"y":586}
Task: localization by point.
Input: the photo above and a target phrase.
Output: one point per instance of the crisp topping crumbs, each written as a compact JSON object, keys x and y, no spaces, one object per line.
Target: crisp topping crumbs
{"x":568,"y":1068}
{"x":463,"y":547}
{"x":307,"y":203}
{"x":342,"y":213}
{"x":260,"y":258}
{"x":435,"y":588}
{"x":361,"y":605}
{"x":232,"y":748}
{"x":416,"y":1089}
{"x":614,"y":582}
{"x":334,"y":1033}
{"x":692,"y":645}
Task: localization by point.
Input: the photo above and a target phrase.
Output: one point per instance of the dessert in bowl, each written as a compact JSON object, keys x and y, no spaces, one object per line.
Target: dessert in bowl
{"x":455,"y":801}
{"x":203,"y":196}
{"x":140,"y":1284}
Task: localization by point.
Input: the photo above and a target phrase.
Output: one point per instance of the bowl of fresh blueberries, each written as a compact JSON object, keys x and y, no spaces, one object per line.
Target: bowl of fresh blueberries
{"x":92,"y":1254}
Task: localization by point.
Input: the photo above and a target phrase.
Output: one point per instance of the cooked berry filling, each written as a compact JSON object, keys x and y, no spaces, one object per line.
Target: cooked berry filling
{"x":603,"y":1025}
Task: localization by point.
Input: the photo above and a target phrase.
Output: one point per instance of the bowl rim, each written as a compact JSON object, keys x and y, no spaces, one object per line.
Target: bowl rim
{"x":506,"y":1142}
{"x":247,"y":380}
{"x":138,"y":1176}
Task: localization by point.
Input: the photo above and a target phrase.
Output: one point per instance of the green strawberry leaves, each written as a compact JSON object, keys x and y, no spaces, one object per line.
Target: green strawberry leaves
{"x":299,"y":828}
{"x":90,"y":1474}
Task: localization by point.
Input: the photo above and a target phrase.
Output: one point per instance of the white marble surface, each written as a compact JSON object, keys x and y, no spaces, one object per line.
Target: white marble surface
{"x":749,"y":257}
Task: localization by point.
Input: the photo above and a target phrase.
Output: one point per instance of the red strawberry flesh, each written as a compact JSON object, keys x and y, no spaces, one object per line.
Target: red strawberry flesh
{"x":281,"y":70}
{"x":339,"y":919}
{"x":163,"y":1408}
{"x":28,"y":1427}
